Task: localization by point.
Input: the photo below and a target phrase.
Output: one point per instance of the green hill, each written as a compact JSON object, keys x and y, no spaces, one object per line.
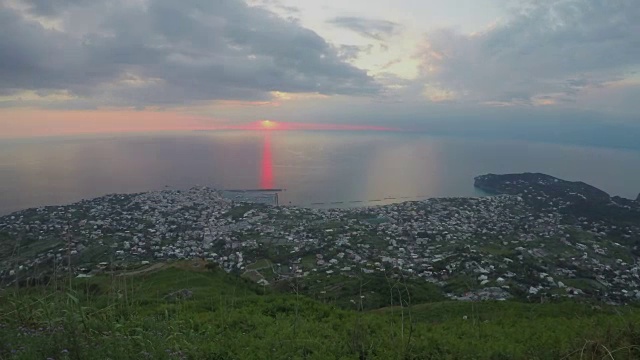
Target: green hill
{"x":187,"y":310}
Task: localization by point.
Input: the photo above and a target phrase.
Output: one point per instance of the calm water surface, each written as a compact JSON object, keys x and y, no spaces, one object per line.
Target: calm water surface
{"x":312,"y":166}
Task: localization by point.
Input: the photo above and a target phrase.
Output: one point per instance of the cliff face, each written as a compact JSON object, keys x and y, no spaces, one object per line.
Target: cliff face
{"x":638,"y":198}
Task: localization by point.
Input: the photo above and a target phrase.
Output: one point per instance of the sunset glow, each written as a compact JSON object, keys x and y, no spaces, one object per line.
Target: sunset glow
{"x":268,"y":124}
{"x":36,"y":123}
{"x":292,"y":126}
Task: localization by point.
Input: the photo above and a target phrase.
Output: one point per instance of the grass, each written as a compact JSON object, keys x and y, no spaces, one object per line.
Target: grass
{"x":364,"y":292}
{"x":227,"y":317}
{"x":308,"y":262}
{"x":238,"y":212}
{"x":252,"y":275}
{"x":11,"y":248}
{"x":584,"y":284}
{"x":497,"y":250}
{"x":259,"y":265}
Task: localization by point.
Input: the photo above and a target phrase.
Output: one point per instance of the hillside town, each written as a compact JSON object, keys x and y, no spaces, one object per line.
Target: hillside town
{"x":486,"y":248}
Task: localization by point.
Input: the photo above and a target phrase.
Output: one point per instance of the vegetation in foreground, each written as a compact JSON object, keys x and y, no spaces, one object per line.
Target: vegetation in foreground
{"x":186,"y":311}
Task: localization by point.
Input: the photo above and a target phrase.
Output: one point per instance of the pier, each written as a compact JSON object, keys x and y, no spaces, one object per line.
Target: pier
{"x":272,"y":192}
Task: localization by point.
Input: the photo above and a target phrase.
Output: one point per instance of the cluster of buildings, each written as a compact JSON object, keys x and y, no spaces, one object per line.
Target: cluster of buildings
{"x":472,"y":248}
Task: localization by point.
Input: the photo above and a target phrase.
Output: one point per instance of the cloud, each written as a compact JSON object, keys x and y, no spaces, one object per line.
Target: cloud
{"x":549,"y":52}
{"x":351,"y":52}
{"x":370,"y":28}
{"x":277,"y":6}
{"x":52,"y":7}
{"x":163,"y":52}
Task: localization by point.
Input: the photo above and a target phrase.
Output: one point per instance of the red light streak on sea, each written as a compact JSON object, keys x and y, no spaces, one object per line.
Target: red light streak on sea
{"x":266,"y":164}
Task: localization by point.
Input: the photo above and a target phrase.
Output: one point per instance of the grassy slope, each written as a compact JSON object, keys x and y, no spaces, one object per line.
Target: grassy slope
{"x":230,"y":318}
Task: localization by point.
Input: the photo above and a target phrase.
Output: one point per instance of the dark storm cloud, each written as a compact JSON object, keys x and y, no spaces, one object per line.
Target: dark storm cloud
{"x":167,"y":52}
{"x":371,"y":28}
{"x":548,"y":48}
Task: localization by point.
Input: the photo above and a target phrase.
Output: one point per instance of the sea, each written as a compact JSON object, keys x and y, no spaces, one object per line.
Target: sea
{"x":310,"y":168}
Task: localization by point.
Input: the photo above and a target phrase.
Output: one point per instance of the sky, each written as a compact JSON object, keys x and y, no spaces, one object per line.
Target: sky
{"x":559,"y":70}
